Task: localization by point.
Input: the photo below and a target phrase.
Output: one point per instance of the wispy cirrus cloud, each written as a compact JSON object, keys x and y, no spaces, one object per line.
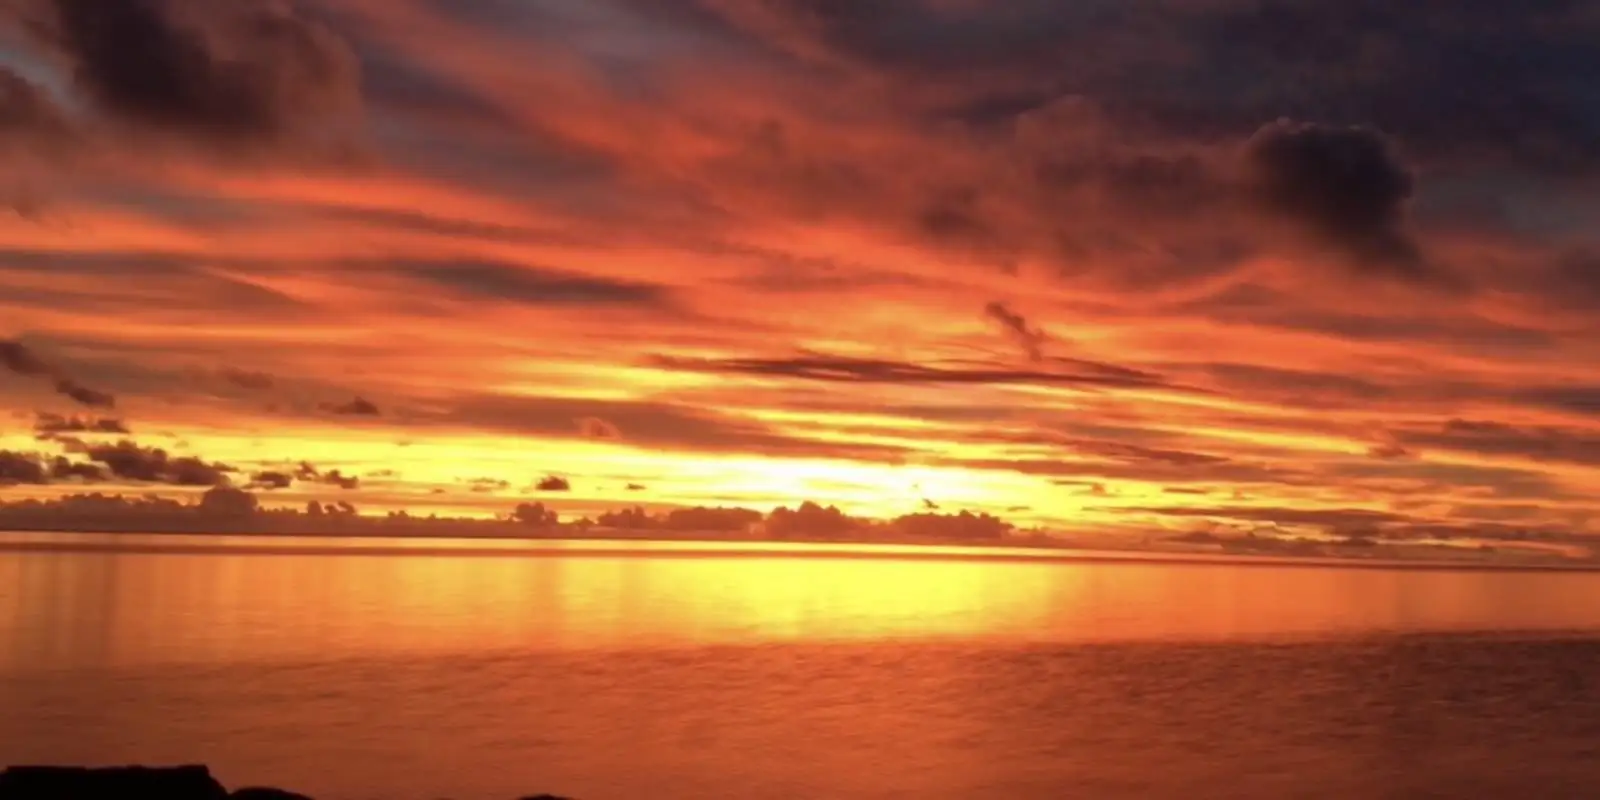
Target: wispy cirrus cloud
{"x":784,"y":247}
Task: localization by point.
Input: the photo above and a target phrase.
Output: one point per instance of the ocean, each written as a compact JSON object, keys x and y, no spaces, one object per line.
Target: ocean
{"x":354,"y":669}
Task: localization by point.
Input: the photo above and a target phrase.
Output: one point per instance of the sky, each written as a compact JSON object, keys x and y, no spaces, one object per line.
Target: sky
{"x":1305,"y":265}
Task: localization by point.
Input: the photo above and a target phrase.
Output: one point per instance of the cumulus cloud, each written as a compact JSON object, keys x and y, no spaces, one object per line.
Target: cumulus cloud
{"x":18,"y":468}
{"x":889,"y":154}
{"x":271,"y":480}
{"x":130,"y":461}
{"x":965,"y":526}
{"x":63,"y":469}
{"x":340,"y":480}
{"x":307,"y":472}
{"x":703,"y":519}
{"x":810,"y":520}
{"x":553,"y":483}
{"x":535,"y":515}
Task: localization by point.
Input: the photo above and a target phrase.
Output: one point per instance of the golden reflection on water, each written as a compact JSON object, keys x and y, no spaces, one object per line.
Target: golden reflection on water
{"x":107,"y":609}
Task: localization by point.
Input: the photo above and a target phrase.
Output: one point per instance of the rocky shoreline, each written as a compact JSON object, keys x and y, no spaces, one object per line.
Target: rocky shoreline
{"x":190,"y":782}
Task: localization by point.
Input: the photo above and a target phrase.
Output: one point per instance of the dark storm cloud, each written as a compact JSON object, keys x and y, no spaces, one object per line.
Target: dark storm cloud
{"x":835,"y":369}
{"x":1345,"y":186}
{"x":244,"y":72}
{"x":487,"y":280}
{"x":1402,"y":68}
{"x":1214,"y":69}
{"x":1029,"y":338}
{"x":1134,"y":143}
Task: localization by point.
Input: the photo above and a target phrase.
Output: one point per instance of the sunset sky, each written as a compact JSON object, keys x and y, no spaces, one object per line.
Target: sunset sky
{"x":1105,"y":264}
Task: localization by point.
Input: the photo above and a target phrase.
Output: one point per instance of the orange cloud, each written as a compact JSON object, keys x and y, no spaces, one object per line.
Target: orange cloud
{"x":762,"y":253}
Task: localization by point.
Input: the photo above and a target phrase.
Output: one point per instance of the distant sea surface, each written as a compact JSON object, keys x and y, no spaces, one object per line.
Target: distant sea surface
{"x":348,"y":670}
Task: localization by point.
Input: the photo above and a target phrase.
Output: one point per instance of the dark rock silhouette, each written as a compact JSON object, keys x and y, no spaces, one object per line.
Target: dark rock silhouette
{"x":192,"y":782}
{"x":73,"y":783}
{"x":264,"y":793}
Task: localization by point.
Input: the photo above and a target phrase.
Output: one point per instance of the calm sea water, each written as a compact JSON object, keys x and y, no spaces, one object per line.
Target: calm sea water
{"x":352,"y":670}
